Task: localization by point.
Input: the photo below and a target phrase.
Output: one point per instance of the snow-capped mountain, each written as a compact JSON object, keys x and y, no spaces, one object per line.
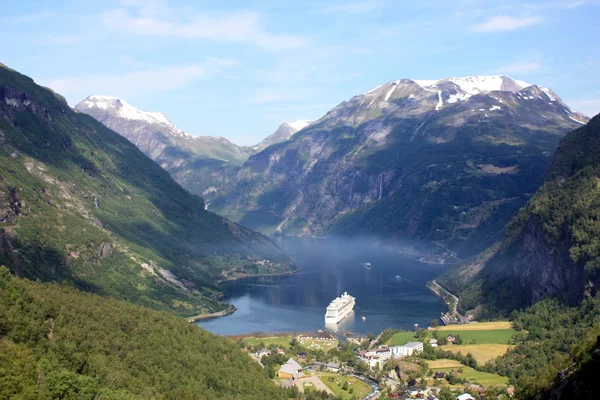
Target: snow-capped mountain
{"x":449,"y":160}
{"x":196,"y":162}
{"x":156,"y":136}
{"x":283,"y":133}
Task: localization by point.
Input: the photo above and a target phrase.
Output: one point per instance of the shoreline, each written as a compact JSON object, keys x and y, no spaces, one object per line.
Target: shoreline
{"x":201,"y":317}
{"x":246,"y":276}
{"x":231,"y":309}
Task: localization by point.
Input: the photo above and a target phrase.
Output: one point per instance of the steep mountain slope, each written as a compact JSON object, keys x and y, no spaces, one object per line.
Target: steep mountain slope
{"x":551,"y":247}
{"x":79,"y":202}
{"x":198,"y":163}
{"x":283,"y":133}
{"x":449,"y":160}
{"x":59,"y":343}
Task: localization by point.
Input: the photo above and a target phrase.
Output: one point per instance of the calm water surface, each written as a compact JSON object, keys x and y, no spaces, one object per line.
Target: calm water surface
{"x":328,"y":268}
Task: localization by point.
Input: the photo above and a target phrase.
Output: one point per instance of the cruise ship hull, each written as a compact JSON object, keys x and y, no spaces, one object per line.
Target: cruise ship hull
{"x":339,"y":309}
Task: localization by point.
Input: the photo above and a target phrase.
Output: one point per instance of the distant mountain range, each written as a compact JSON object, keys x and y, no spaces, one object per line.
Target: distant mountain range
{"x":196,"y":162}
{"x":449,"y":161}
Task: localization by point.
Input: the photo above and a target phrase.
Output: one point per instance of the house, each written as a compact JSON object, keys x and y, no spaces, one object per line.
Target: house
{"x":332,"y":367}
{"x":451,"y":339}
{"x":465,"y":396}
{"x":368,"y":357}
{"x":439,"y":375}
{"x":384,"y":353}
{"x":262,"y":352}
{"x":433,"y":342}
{"x":510,"y":390}
{"x":290,"y":370}
{"x":406,"y":350}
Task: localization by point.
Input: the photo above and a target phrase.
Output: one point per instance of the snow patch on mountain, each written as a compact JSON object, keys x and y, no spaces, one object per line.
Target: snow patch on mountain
{"x":478,"y":84}
{"x":127,"y":111}
{"x":299,"y":124}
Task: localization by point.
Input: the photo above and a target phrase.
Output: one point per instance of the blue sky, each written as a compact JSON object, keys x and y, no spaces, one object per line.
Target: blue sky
{"x":240,"y":68}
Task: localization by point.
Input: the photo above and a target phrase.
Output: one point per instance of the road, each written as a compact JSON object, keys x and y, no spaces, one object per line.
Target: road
{"x":437,"y":289}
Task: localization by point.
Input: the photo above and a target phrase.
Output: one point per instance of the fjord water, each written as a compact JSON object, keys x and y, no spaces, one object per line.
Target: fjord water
{"x":329,"y":267}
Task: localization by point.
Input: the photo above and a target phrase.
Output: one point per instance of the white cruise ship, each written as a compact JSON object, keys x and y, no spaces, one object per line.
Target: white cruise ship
{"x":339,"y":309}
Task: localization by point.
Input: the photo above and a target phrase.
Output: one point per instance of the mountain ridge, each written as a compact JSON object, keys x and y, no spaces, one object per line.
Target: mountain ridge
{"x":80,"y":203}
{"x":352,"y":169}
{"x":549,"y":248}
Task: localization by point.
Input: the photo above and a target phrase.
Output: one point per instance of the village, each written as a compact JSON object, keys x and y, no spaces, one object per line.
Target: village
{"x":439,"y":362}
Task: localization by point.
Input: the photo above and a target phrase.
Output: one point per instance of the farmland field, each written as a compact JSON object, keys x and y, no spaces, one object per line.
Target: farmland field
{"x":443,"y":363}
{"x":496,"y":336}
{"x":479,"y":326}
{"x":482,"y":352}
{"x":473,"y":376}
{"x":360,"y":389}
{"x":401,"y":338}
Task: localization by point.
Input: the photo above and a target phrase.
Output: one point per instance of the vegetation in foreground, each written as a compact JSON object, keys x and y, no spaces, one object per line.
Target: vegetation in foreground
{"x":59,"y":343}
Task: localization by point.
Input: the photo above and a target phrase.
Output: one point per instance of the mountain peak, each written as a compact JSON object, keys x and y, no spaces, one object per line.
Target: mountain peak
{"x":479,"y":84}
{"x":122,"y":109}
{"x":283,"y":133}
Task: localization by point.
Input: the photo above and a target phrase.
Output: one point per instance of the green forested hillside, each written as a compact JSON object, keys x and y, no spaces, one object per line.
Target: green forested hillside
{"x":78,"y":202}
{"x":59,"y":343}
{"x":552,"y":246}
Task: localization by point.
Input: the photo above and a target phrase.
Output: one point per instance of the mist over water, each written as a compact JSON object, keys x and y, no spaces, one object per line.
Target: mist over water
{"x":328,"y":267}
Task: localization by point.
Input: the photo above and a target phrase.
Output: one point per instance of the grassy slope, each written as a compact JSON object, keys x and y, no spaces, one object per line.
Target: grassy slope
{"x":474,"y":376}
{"x":57,"y":342}
{"x":361,"y":389}
{"x":401,"y":338}
{"x":56,"y":163}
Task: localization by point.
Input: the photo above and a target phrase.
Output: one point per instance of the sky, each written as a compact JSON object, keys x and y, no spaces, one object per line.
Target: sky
{"x":239,"y":69}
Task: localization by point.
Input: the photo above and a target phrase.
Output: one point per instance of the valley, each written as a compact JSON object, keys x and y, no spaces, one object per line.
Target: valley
{"x":299,"y":201}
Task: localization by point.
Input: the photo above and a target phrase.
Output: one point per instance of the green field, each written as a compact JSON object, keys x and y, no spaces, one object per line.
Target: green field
{"x":280,"y":341}
{"x":496,"y":336}
{"x":473,"y":376}
{"x":361,"y":389}
{"x":402,"y":338}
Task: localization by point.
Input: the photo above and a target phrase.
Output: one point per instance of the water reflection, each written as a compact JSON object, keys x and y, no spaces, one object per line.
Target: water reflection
{"x":328,"y":268}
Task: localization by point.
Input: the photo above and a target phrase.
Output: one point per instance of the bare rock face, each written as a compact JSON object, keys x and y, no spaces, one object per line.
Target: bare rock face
{"x":104,"y":250}
{"x":535,"y":269}
{"x":449,"y":161}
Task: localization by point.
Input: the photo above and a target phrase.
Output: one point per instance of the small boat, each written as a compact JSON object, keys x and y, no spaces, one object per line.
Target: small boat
{"x":364,"y":318}
{"x":367,"y":265}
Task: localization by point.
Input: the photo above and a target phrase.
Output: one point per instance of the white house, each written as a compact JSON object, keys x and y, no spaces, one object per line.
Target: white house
{"x":465,"y":396}
{"x":433,"y":342}
{"x":406,"y":350}
{"x":384,"y":353}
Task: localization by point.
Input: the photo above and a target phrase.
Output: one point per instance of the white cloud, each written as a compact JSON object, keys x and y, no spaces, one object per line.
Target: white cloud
{"x":505,"y":23}
{"x":238,"y":27}
{"x":589,"y":107}
{"x":136,"y":83}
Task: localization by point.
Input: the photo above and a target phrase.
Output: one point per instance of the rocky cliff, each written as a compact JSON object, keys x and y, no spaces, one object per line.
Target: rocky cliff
{"x":551,"y":247}
{"x":448,"y":161}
